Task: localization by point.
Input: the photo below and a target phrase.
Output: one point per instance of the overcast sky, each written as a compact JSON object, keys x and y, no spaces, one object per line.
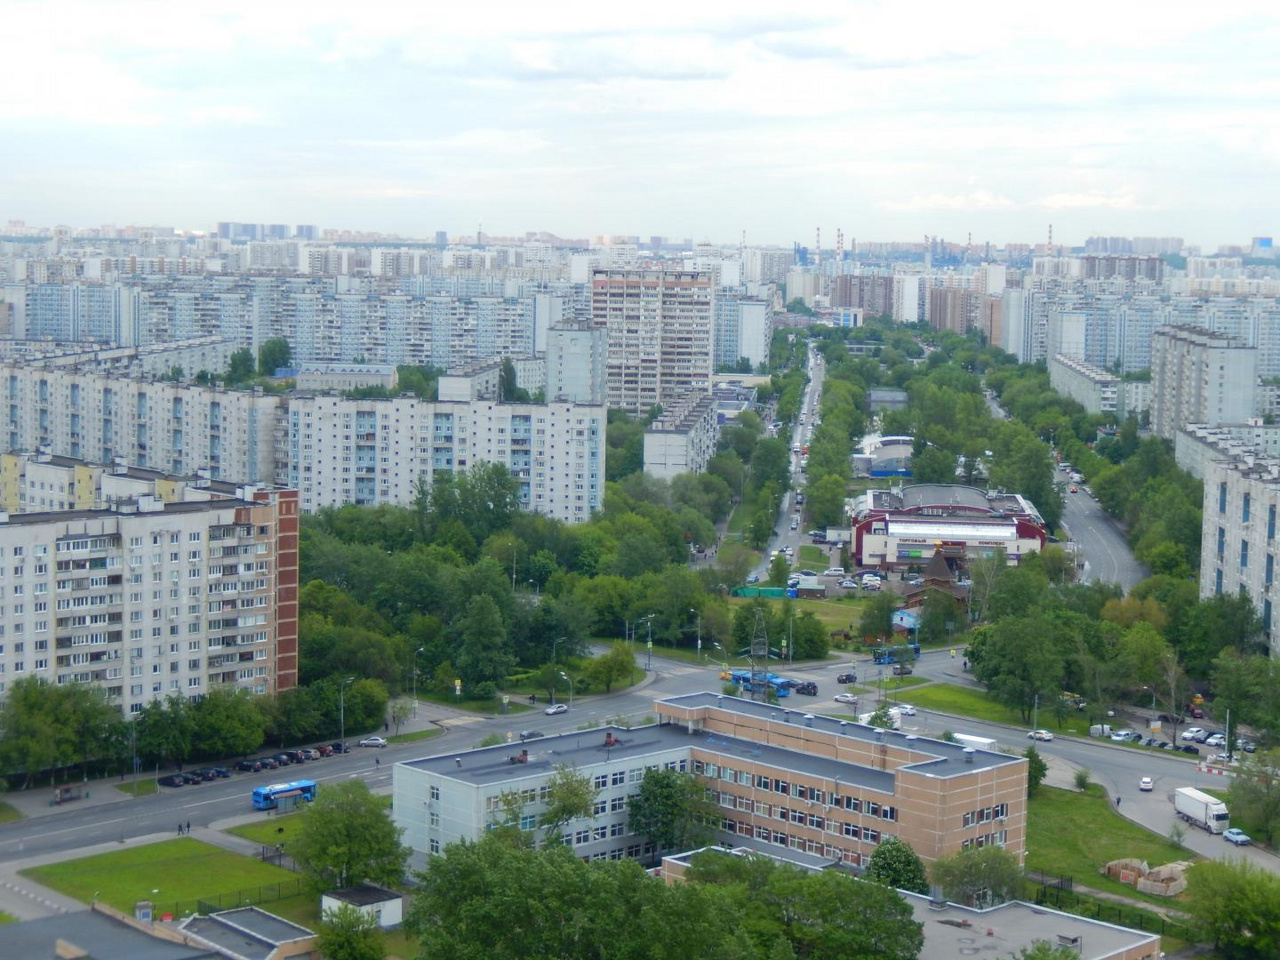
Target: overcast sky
{"x":889,"y":120}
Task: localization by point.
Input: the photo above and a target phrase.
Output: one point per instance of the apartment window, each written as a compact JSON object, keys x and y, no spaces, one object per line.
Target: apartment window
{"x":1271,"y":522}
{"x":435,"y":793}
{"x":1217,"y":582}
{"x":1222,"y":497}
{"x":1222,"y":542}
{"x":1271,"y":563}
{"x":1244,"y":509}
{"x":1244,"y":554}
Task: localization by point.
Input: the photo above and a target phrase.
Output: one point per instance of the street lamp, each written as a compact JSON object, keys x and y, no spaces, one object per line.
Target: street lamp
{"x":415,"y":681}
{"x":342,"y":711}
{"x":648,"y":665}
{"x":554,"y":644}
{"x":570,"y":679}
{"x":699,"y":615}
{"x":537,"y":590}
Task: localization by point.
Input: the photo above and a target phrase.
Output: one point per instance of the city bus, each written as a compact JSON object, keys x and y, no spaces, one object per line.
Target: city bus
{"x":899,"y":654}
{"x":284,"y":796}
{"x":742,"y":678}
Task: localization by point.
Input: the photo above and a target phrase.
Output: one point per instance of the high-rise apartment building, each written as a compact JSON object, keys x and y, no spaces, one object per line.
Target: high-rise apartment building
{"x":577,"y":356}
{"x":375,"y":451}
{"x":1198,"y":376}
{"x":660,"y":326}
{"x":149,"y":585}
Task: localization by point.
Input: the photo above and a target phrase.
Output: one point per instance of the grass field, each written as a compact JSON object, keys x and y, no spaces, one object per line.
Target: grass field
{"x":5,"y":918}
{"x":172,"y":874}
{"x":1074,"y":834}
{"x":834,"y":614}
{"x":306,"y":911}
{"x":137,"y":788}
{"x":949,"y":698}
{"x":813,"y":557}
{"x":416,"y":735}
{"x":8,"y":814}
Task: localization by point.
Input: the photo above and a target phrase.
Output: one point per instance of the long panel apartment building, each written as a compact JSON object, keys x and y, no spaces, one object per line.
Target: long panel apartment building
{"x":1198,"y":376}
{"x":147,"y":585}
{"x":828,"y":788}
{"x":374,"y":451}
{"x":661,"y":331}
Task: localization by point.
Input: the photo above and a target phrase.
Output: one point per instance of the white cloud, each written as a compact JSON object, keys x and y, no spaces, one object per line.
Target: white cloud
{"x":973,"y":200}
{"x":1091,"y":199}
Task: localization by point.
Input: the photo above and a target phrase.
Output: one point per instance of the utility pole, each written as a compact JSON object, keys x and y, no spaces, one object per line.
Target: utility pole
{"x":1035,"y":711}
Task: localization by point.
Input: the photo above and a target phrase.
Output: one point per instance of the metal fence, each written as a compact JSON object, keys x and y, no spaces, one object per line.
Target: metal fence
{"x":248,"y":897}
{"x":1060,"y":895}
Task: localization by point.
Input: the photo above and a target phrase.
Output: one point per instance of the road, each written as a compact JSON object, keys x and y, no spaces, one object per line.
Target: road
{"x":1101,"y":545}
{"x":1106,"y":555}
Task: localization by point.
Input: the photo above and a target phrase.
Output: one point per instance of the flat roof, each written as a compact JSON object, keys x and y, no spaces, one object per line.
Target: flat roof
{"x":102,"y":936}
{"x":493,"y":765}
{"x":948,"y":758}
{"x":246,"y":932}
{"x":186,"y":506}
{"x":953,"y":932}
{"x":364,"y":895}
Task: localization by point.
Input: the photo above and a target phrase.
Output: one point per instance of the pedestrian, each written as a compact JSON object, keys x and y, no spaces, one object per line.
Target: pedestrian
{"x":385,"y":726}
{"x":1117,"y":803}
{"x":953,"y":653}
{"x":966,"y":663}
{"x":188,"y":828}
{"x":179,"y":828}
{"x":377,"y":761}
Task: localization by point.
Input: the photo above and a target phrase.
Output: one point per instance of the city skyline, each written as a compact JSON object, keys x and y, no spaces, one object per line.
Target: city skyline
{"x":1120,"y":119}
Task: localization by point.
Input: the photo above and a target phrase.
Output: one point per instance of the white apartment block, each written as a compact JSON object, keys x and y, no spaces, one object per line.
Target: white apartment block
{"x":184,"y":589}
{"x":744,"y":328}
{"x":576,"y":363}
{"x":375,"y":451}
{"x":1098,"y":391}
{"x":171,"y":427}
{"x":1238,"y":534}
{"x":1198,"y":376}
{"x":683,"y":439}
{"x":660,"y":326}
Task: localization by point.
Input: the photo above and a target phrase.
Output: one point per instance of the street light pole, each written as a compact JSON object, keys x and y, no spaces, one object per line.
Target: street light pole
{"x":648,"y":664}
{"x":554,"y":643}
{"x":570,"y":679}
{"x":415,"y":681}
{"x":342,"y":711}
{"x":699,"y":615}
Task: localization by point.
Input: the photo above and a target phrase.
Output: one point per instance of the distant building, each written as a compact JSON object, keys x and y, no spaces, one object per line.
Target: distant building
{"x":576,"y":361}
{"x":895,"y":529}
{"x":342,"y":376}
{"x":886,"y":398}
{"x":1198,"y":376}
{"x":1097,"y":390}
{"x":1197,"y":445}
{"x":683,"y":439}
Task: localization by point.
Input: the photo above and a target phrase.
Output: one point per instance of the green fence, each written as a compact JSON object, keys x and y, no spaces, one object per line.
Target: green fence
{"x":775,"y":593}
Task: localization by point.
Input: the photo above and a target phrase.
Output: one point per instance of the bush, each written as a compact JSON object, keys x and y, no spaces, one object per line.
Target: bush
{"x":485,"y":690}
{"x":1083,"y":778}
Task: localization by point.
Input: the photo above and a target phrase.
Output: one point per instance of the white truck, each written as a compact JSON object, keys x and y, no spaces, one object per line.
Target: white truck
{"x":1196,"y":806}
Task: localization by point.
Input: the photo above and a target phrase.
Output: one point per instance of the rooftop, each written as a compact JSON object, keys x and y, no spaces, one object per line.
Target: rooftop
{"x":958,"y":933}
{"x":364,"y":894}
{"x":102,"y":937}
{"x":940,"y":758}
{"x":246,"y":932}
{"x":943,"y":499}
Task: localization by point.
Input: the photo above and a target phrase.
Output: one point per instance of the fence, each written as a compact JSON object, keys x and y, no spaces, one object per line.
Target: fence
{"x":1059,"y":895}
{"x":250,"y":896}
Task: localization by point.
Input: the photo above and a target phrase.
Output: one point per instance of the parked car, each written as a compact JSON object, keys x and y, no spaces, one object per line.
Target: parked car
{"x":1145,"y":785}
{"x":793,"y":582}
{"x":283,"y":758}
{"x":846,"y":698}
{"x":901,"y":669}
{"x":795,"y":524}
{"x":846,"y":678}
{"x":834,"y":572}
{"x":1248,"y":746}
{"x":807,"y":573}
{"x":1191,"y":733}
{"x":556,"y":708}
{"x":1188,"y":748}
{"x":206,"y":774}
{"x":339,"y":747}
{"x":1196,"y":712}
{"x":192,"y":779}
{"x":222,"y":773}
{"x":530,"y":734}
{"x":268,"y":763}
{"x":872,"y":585}
{"x":1237,"y":836}
{"x":325,"y":750}
{"x":808,"y":688}
{"x":1124,"y":736}
{"x":309,"y":754}
{"x":753,"y":578}
{"x":915,"y":580}
{"x":1045,"y":735}
{"x":378,"y":742}
{"x":249,"y":766}
{"x":1216,"y":740}
{"x":849,"y":584}
{"x":172,"y":780}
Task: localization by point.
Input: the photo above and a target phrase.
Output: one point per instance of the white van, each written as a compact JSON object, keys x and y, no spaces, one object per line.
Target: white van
{"x":833,"y":572}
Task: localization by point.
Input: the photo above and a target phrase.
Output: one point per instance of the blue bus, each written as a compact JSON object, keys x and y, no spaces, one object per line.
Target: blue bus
{"x":899,"y":654}
{"x":777,"y":684}
{"x":284,"y":795}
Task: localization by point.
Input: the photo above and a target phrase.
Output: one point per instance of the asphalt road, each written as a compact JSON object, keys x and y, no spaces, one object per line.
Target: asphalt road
{"x":1106,"y":555}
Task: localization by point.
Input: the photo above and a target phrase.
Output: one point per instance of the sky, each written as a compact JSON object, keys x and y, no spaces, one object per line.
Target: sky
{"x":889,"y":121}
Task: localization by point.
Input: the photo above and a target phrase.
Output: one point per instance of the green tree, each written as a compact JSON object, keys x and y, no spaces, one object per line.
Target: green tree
{"x":896,"y":865}
{"x":347,"y":837}
{"x":671,"y":811}
{"x":610,"y":668}
{"x":484,"y":651}
{"x":166,"y":730}
{"x":401,"y":710}
{"x":1235,"y":905}
{"x":349,"y":933}
{"x":1255,"y":793}
{"x":570,"y":796}
{"x":877,"y":618}
{"x":980,"y":877}
{"x":881,"y":718}
{"x":1037,"y":770}
{"x":272,"y":355}
{"x":933,"y":465}
{"x":779,"y":570}
{"x":1044,"y":950}
{"x":240,"y":366}
{"x":228,"y":723}
{"x":825,"y":501}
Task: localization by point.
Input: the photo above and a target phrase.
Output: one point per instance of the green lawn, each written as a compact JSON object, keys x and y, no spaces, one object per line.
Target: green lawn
{"x":271,"y":831}
{"x":950,"y":698}
{"x":137,"y":788}
{"x":5,"y":918}
{"x":173,"y":874}
{"x":835,"y":614}
{"x":306,"y":911}
{"x":813,"y":557}
{"x":1075,"y":834}
{"x":415,"y":735}
{"x":8,"y":813}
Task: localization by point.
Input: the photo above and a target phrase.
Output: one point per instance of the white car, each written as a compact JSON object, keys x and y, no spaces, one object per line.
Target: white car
{"x":1045,"y":735}
{"x":1191,"y":733}
{"x":846,"y":698}
{"x":556,"y":708}
{"x":907,"y":709}
{"x":1217,"y":740}
{"x":1145,"y":785}
{"x":373,"y":742}
{"x":849,"y":584}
